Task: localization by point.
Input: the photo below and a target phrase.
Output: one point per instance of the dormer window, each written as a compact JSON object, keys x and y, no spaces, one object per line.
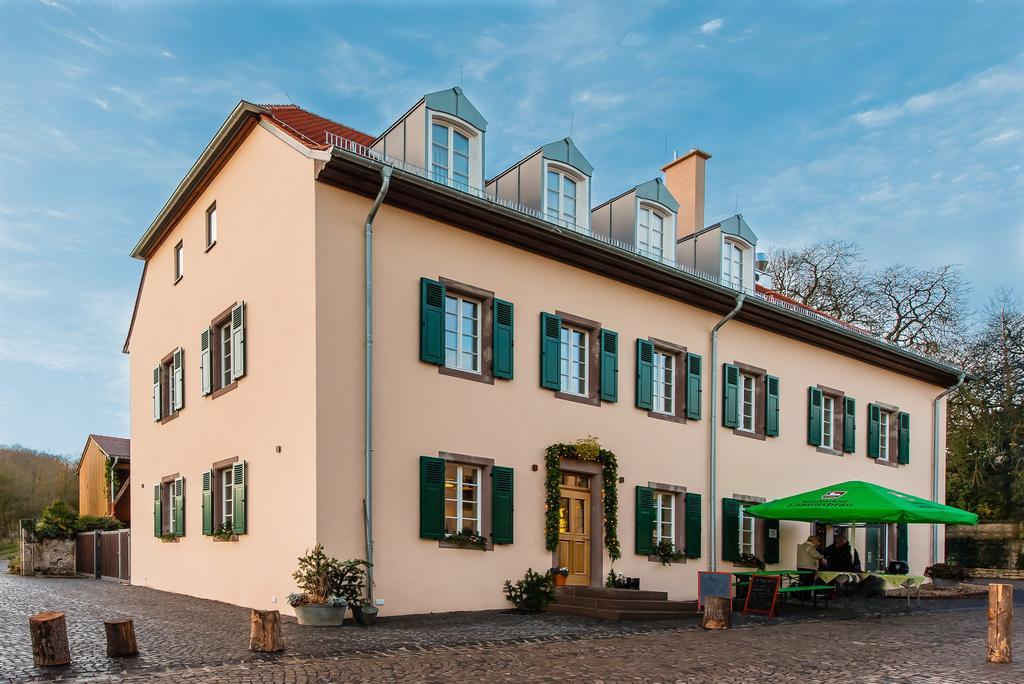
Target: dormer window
{"x":732,"y":264}
{"x":449,"y":155}
{"x":650,"y":233}
{"x":561,"y":196}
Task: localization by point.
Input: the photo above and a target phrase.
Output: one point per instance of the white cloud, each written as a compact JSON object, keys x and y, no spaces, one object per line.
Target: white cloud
{"x":102,"y":104}
{"x":711,"y":27}
{"x":598,"y":100}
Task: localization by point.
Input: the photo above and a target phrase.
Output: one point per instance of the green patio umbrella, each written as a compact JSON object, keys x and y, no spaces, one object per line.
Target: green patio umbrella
{"x":860,"y":502}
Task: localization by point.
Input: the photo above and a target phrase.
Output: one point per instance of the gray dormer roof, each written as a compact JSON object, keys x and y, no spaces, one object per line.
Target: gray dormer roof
{"x":736,"y":225}
{"x":656,"y":191}
{"x":453,"y":101}
{"x":565,"y":151}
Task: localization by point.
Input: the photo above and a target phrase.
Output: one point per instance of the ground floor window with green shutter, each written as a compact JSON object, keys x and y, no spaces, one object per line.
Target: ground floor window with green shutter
{"x":745,"y":539}
{"x":466,"y":501}
{"x":169,"y":507}
{"x":667,"y":514}
{"x":225,"y":496}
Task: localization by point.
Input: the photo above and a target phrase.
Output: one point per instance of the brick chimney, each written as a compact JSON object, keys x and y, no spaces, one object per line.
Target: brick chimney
{"x":684,"y":178}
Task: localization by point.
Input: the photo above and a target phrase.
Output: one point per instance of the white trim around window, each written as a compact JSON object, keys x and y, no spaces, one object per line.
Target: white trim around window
{"x":651,"y":227}
{"x":574,"y":360}
{"x":664,"y":388}
{"x":747,"y":402}
{"x":828,"y":406}
{"x":883,"y":435}
{"x":565,"y":195}
{"x":461,"y":498}
{"x":454,"y":152}
{"x":211,"y":226}
{"x":462,"y":333}
{"x":733,"y":255}
{"x":747,"y":532}
{"x":665,"y":517}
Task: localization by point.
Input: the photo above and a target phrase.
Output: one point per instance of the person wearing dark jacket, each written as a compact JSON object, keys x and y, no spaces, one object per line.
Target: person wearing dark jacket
{"x":838,"y":555}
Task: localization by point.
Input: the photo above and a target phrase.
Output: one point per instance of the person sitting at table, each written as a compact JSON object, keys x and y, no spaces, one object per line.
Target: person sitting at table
{"x":838,"y":555}
{"x":807,"y":558}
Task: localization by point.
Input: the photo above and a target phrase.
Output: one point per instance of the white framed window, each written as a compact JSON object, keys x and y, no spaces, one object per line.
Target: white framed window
{"x":732,"y":264}
{"x":227,"y":489}
{"x":664,"y":382}
{"x":574,"y":360}
{"x":179,"y":261}
{"x":747,"y":532}
{"x":883,"y":436}
{"x":167,"y":370}
{"x":461,"y":499}
{"x":748,"y":404}
{"x":211,"y":226}
{"x":650,"y":233}
{"x":827,"y":421}
{"x":462,"y":333}
{"x":224,"y":333}
{"x":449,"y":157}
{"x":561,"y":193}
{"x":664,"y":517}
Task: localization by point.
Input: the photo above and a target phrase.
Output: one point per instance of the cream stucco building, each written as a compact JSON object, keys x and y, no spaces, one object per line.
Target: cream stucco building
{"x":507,"y":315}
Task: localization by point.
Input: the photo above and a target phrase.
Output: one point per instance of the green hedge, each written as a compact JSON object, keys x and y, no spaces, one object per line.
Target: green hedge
{"x":978,"y":553}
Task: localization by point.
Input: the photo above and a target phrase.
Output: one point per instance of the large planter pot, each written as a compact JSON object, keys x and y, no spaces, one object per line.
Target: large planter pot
{"x":365,"y":615}
{"x":320,"y":615}
{"x":559,"y":579}
{"x":945,"y":583}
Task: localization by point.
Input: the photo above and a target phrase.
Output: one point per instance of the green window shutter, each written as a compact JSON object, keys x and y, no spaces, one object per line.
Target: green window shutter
{"x":178,"y":509}
{"x":904,"y":439}
{"x":730,"y":395}
{"x":849,"y":424}
{"x":644,"y":520}
{"x":550,"y":351}
{"x":694,"y":393}
{"x":238,"y":345}
{"x":902,"y":543}
{"x":158,"y":511}
{"x":730,"y":530}
{"x":205,"y":362}
{"x":814,"y":400}
{"x":771,"y":407}
{"x":609,"y":365}
{"x":502,"y":504}
{"x":178,"y":371}
{"x":432,"y":295}
{"x":504,"y":318}
{"x":239,"y":485}
{"x":771,"y":544}
{"x":644,"y":374}
{"x":208,"y":502}
{"x":157,"y":395}
{"x":693,"y":523}
{"x":431,"y":497}
{"x":874,"y":418}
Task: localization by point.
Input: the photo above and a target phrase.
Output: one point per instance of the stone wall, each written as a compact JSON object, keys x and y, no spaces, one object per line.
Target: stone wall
{"x":995,"y":573}
{"x":1010,"y":532}
{"x":47,"y":556}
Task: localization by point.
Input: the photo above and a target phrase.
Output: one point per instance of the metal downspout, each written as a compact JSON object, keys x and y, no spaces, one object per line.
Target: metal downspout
{"x":113,"y":467}
{"x":935,"y":461}
{"x":385,"y":175}
{"x":713,"y":450}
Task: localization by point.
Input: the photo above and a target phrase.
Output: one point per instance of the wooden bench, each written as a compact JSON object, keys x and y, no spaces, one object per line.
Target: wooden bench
{"x":813,"y":588}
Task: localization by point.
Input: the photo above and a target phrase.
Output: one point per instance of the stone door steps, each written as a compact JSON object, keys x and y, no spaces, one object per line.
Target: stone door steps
{"x":620,"y":604}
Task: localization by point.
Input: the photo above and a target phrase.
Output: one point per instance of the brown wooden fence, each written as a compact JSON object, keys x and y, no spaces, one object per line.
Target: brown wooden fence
{"x":104,"y":555}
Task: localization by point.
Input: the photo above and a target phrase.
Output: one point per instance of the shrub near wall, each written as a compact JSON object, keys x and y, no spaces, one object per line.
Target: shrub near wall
{"x":978,"y":553}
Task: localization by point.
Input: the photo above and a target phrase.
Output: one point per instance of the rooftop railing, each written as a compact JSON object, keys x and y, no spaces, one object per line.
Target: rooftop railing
{"x":364,"y":151}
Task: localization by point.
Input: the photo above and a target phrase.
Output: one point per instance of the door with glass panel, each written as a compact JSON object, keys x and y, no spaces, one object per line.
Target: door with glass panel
{"x":574,"y":528}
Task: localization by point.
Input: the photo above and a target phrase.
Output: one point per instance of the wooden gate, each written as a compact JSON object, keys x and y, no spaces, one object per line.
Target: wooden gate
{"x":104,"y":555}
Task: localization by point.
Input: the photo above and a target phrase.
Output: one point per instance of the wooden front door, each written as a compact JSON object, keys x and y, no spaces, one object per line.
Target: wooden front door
{"x":574,"y":528}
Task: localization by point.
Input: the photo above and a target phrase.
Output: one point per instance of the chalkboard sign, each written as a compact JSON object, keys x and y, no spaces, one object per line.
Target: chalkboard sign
{"x":713,"y":584}
{"x":762,"y":594}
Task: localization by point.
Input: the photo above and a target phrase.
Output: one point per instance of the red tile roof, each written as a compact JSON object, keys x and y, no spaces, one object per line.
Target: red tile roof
{"x":114,"y":446}
{"x":772,"y":294}
{"x":309,"y":128}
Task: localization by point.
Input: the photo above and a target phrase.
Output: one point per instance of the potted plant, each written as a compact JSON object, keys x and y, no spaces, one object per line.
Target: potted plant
{"x":559,"y":575}
{"x":467,"y":539}
{"x":665,"y":551}
{"x":364,"y":612}
{"x":751,"y":561}
{"x":224,"y":532}
{"x":328,"y":586}
{"x":531,"y":593}
{"x":945,"y":575}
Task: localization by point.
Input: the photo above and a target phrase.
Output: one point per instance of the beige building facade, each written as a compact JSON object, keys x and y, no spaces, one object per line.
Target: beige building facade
{"x":500,"y":327}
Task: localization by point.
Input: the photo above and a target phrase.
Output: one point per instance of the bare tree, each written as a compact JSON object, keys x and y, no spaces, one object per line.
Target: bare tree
{"x":828,"y":276}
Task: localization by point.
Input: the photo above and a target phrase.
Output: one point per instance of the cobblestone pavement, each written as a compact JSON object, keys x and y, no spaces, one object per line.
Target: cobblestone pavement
{"x":192,"y":640}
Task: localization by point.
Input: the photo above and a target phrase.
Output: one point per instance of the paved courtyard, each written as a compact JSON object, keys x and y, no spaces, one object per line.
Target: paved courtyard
{"x":191,"y":640}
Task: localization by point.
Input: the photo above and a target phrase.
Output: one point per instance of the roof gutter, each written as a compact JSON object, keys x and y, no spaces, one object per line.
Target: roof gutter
{"x":713,"y":445}
{"x":385,"y":176}
{"x":936,"y":411}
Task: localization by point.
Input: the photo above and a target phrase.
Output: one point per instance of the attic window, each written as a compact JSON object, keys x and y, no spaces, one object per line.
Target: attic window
{"x":449,"y":155}
{"x":732,"y":264}
{"x":650,"y":233}
{"x":560,"y":197}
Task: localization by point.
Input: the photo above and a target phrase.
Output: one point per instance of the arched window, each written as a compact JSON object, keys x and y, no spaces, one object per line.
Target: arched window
{"x":650,"y":233}
{"x":732,"y":264}
{"x":561,"y":194}
{"x":449,"y":156}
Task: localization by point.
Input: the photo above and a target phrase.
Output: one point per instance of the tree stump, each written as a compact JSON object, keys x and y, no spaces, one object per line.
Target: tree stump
{"x":717,"y":613}
{"x":1000,"y":623}
{"x":120,"y":638}
{"x":265,"y":631}
{"x":49,"y":639}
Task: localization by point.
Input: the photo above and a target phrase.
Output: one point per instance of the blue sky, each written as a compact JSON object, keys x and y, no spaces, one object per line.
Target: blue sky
{"x":897,"y":125}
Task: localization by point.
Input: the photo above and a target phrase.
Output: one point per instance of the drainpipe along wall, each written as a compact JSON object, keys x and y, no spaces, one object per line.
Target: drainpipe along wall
{"x":936,"y":410}
{"x":713,"y":447}
{"x":385,"y":175}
